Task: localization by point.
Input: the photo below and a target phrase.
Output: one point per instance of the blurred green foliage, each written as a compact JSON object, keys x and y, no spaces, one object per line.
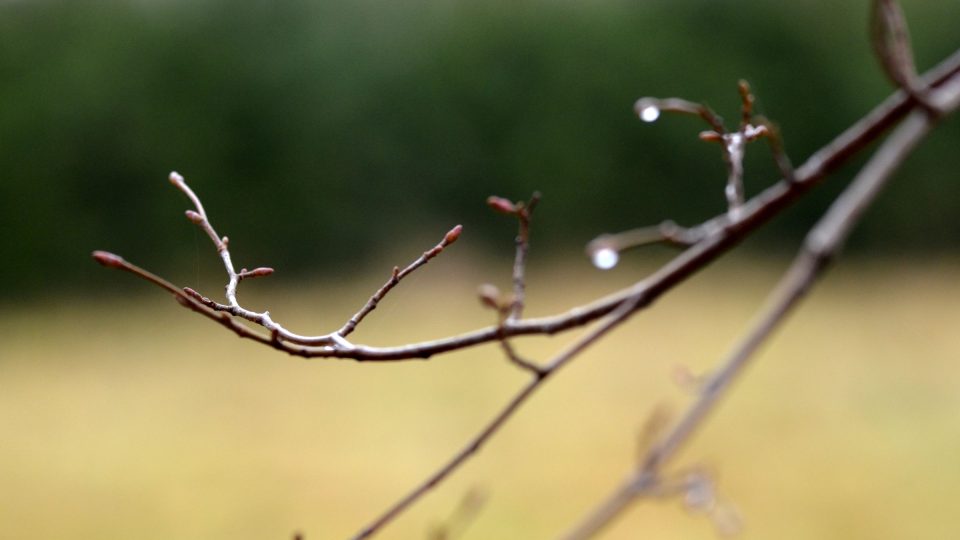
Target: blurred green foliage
{"x":318,"y":132}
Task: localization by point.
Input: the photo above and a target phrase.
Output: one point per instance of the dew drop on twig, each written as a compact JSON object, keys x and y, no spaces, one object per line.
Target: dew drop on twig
{"x":605,"y":258}
{"x":650,"y":113}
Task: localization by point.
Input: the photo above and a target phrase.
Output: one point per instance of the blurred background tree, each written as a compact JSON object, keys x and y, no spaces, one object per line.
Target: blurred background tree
{"x":321,"y":132}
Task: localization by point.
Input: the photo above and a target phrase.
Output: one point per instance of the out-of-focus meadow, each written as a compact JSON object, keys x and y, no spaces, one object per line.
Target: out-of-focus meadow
{"x":334,"y":139}
{"x":135,"y":418}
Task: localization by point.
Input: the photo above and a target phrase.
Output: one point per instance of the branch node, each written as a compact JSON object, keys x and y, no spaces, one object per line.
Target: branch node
{"x":194,"y":217}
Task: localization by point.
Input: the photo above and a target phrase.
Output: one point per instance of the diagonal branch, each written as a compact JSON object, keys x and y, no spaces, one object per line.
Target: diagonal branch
{"x":397,"y":275}
{"x":605,"y":326}
{"x":822,"y":243}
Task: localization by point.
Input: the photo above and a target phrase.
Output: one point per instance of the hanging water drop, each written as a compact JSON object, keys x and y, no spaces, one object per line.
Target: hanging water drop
{"x":605,"y":258}
{"x":650,"y":113}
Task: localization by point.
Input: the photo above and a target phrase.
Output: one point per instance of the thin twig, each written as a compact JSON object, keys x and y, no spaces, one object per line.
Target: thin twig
{"x":613,"y":320}
{"x":395,"y":278}
{"x":667,"y":232}
{"x":524,"y":216}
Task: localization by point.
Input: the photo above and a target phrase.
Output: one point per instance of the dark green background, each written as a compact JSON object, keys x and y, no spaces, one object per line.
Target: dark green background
{"x":321,"y":133}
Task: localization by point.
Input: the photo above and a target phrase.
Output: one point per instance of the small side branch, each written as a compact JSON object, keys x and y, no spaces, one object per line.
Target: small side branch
{"x":605,"y":249}
{"x":523,"y":211}
{"x":890,"y":38}
{"x":395,"y":277}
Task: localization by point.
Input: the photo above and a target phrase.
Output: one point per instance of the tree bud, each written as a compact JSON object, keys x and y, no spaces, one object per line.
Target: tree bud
{"x":194,"y":217}
{"x":452,"y":235}
{"x":108,"y":259}
{"x":501,"y":205}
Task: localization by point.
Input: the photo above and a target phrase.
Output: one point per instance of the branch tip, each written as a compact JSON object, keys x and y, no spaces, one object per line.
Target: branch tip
{"x":499,"y":204}
{"x":262,"y":271}
{"x":194,"y":217}
{"x":194,"y":294}
{"x":175,"y":178}
{"x":108,"y":259}
{"x":452,"y":235}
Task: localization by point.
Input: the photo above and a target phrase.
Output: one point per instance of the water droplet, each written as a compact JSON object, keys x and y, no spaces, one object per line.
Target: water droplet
{"x":650,"y":113}
{"x":605,"y":258}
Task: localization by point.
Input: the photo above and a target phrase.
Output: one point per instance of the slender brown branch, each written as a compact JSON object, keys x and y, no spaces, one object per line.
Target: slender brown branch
{"x":397,"y":275}
{"x":891,"y":43}
{"x":524,"y":216}
{"x":666,"y":232}
{"x":721,"y":232}
{"x":613,"y":320}
{"x":518,"y":360}
{"x":821,"y":245}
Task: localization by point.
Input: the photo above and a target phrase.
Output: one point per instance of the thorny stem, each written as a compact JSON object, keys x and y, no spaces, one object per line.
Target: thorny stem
{"x":822,"y":243}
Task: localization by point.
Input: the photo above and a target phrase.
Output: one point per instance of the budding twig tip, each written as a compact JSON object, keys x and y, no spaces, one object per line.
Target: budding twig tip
{"x":194,"y":217}
{"x":262,"y":271}
{"x":108,"y":259}
{"x":175,"y":178}
{"x":499,"y":204}
{"x":452,"y":235}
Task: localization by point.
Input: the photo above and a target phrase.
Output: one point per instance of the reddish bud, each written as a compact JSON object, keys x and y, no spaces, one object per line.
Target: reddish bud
{"x":108,"y":259}
{"x":501,"y":205}
{"x":452,"y":235}
{"x":194,"y":217}
{"x":192,"y":293}
{"x":710,"y":136}
{"x":263,"y":271}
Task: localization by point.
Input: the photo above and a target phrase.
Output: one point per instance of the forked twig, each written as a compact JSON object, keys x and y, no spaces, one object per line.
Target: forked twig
{"x":822,"y":244}
{"x":703,"y":244}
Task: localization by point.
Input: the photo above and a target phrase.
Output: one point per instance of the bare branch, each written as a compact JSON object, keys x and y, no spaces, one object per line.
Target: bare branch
{"x":775,"y":140}
{"x":704,"y":243}
{"x":524,"y":216}
{"x":722,"y":235}
{"x":666,"y":232}
{"x":613,"y":320}
{"x":890,"y":38}
{"x":822,"y":243}
{"x":649,"y":109}
{"x":397,"y":275}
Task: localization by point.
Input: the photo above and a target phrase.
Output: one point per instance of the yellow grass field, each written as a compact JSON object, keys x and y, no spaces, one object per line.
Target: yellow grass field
{"x":125,"y":419}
